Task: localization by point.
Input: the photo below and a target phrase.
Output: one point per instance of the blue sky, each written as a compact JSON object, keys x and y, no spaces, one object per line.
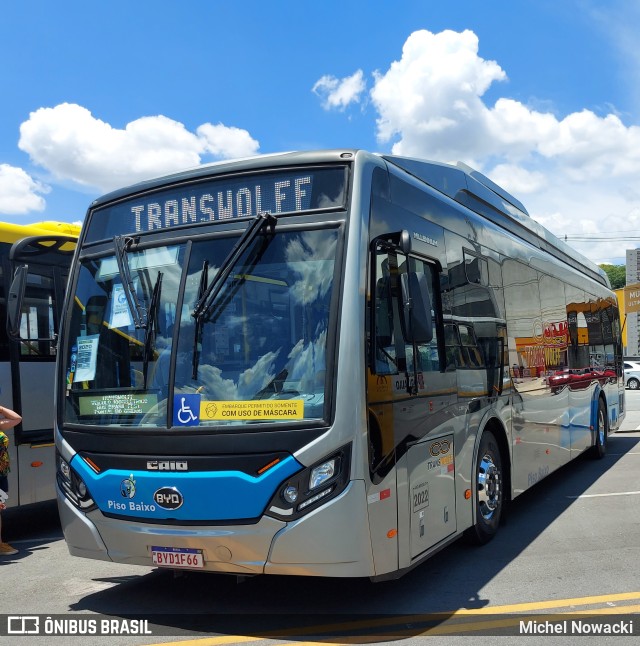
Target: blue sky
{"x":541,"y":95}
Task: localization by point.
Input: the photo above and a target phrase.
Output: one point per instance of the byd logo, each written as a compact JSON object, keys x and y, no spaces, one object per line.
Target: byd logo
{"x":168,"y":498}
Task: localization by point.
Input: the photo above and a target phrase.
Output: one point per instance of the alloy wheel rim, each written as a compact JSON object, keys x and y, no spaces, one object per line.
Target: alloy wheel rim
{"x":489,"y":486}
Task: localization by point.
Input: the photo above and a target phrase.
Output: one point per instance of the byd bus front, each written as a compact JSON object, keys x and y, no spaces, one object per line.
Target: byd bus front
{"x":259,"y":372}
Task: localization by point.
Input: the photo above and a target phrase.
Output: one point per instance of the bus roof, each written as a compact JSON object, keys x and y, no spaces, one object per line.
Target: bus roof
{"x":10,"y":233}
{"x":477,"y":192}
{"x":458,"y":181}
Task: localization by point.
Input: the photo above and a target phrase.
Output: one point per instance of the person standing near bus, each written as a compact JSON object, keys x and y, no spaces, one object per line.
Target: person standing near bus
{"x":8,"y":420}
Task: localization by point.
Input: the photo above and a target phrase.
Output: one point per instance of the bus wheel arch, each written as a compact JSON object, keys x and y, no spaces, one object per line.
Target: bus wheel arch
{"x":491,"y":483}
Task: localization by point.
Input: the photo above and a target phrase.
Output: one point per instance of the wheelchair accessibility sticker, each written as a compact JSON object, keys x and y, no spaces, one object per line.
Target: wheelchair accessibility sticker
{"x":186,"y":409}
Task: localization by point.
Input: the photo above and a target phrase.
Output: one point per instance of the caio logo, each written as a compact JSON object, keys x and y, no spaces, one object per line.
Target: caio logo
{"x":439,"y":448}
{"x":168,"y":498}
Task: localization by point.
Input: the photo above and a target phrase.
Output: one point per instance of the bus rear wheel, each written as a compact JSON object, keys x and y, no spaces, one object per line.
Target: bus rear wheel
{"x":599,"y":448}
{"x":489,"y":490}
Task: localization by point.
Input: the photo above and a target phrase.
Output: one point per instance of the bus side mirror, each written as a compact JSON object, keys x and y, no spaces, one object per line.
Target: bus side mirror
{"x":15,"y":300}
{"x":404,"y":242}
{"x":417,"y":323}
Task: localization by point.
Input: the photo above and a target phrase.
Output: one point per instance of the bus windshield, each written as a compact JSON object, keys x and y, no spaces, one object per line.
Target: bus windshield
{"x":138,"y":357}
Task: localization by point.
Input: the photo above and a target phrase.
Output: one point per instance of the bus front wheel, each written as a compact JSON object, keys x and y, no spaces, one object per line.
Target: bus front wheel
{"x":489,"y":490}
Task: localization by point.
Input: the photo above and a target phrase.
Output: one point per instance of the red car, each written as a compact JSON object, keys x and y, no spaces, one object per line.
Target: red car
{"x":578,"y":378}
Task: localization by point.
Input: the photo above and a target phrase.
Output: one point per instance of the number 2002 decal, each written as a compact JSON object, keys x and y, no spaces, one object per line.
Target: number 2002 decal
{"x":420,"y":496}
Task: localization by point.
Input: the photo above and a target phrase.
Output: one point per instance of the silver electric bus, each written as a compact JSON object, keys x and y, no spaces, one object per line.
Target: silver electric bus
{"x":324,"y":363}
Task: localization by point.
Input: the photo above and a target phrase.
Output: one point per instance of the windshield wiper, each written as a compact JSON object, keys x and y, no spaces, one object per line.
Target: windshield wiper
{"x":197,"y":341}
{"x":210,"y":293}
{"x":138,"y":312}
{"x":149,"y":333}
{"x":250,"y":233}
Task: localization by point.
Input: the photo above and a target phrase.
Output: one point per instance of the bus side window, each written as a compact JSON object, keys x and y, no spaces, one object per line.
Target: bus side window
{"x":37,"y":325}
{"x":453,"y":347}
{"x":429,"y":353}
{"x":393,"y":354}
{"x":470,"y":348}
{"x":385,"y":347}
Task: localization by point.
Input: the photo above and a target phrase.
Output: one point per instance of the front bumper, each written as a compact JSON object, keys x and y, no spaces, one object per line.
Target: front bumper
{"x":333,"y":540}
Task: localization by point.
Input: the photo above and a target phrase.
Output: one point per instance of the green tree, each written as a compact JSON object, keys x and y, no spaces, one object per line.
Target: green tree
{"x":617,"y":275}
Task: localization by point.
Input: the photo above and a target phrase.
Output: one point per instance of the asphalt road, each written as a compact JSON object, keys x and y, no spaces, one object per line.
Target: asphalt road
{"x":570,"y":544}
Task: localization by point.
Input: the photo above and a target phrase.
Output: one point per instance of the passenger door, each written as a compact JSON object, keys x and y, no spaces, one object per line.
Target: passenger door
{"x":409,"y":397}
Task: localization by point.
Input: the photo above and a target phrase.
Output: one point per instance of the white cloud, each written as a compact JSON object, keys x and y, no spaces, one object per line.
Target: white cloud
{"x":73,"y":145}
{"x":520,"y":180}
{"x":432,"y":94}
{"x":227,"y":142}
{"x":19,"y":192}
{"x":576,"y":173}
{"x":339,"y":93}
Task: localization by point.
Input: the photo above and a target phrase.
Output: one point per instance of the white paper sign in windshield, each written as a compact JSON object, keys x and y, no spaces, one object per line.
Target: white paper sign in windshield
{"x":87,"y":358}
{"x":120,"y":314}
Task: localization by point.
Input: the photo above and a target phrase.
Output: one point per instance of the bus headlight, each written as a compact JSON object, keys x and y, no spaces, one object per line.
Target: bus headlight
{"x":82,"y":489}
{"x":65,"y":469}
{"x":73,"y":486}
{"x":322,"y":473}
{"x":312,"y":487}
{"x":290,"y":494}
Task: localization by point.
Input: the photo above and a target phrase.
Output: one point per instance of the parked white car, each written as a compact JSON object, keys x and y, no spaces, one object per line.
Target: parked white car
{"x":632,"y":378}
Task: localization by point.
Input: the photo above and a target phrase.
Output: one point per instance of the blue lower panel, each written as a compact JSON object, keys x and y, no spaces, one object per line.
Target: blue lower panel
{"x":193,"y":496}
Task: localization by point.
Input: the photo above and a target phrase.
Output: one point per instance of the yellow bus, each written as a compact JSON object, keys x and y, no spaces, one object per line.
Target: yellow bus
{"x":41,"y":253}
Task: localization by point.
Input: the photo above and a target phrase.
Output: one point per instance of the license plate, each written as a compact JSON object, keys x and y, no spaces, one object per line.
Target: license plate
{"x":175,"y":557}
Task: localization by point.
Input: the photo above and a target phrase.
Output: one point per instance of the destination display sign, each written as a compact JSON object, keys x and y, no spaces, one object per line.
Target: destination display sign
{"x":117,"y":404}
{"x":222,"y":199}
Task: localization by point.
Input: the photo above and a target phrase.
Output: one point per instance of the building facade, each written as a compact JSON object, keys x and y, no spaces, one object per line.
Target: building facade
{"x":633,"y":319}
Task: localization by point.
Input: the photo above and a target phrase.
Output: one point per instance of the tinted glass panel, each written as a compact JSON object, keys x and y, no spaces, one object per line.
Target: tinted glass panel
{"x":37,"y":325}
{"x":257,"y":353}
{"x":115,"y":372}
{"x":393,"y":353}
{"x":262,"y":344}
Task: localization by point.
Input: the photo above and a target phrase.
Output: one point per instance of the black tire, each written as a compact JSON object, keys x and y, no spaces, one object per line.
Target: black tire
{"x":489,"y":498}
{"x":633,"y":384}
{"x":601,"y":428}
